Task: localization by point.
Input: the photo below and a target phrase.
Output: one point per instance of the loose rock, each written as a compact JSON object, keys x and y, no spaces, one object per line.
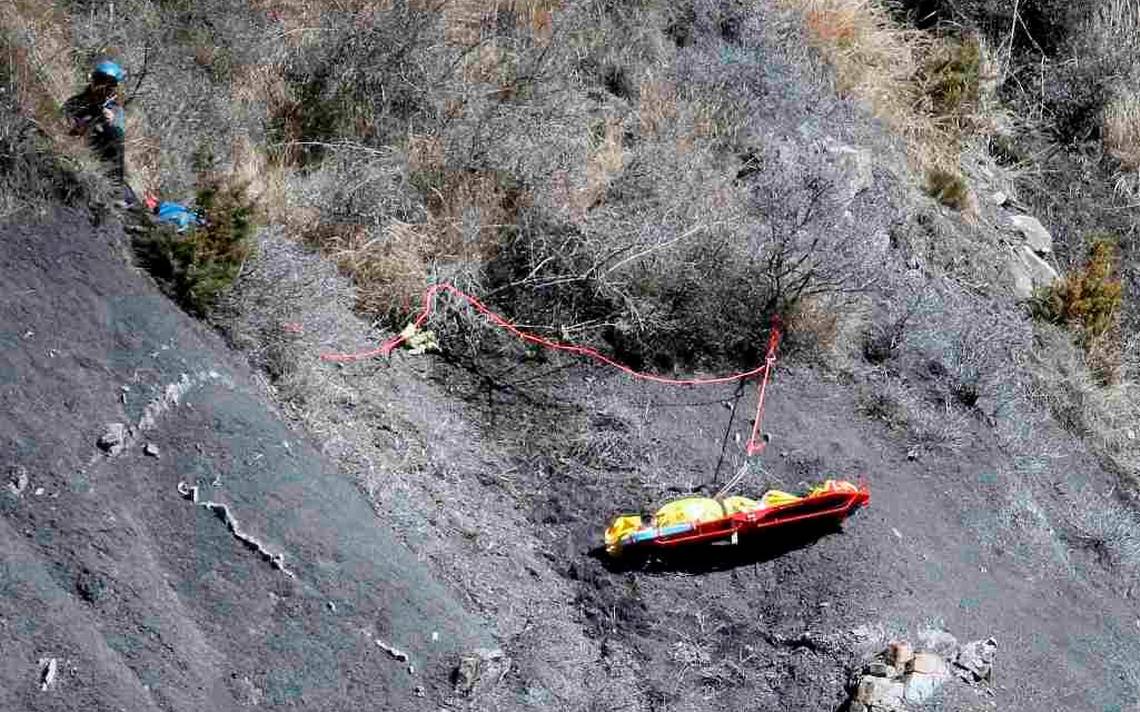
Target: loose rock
{"x":113,"y":439}
{"x":480,"y":669}
{"x":150,"y":450}
{"x":19,"y":481}
{"x":879,"y":692}
{"x":975,"y":659}
{"x":880,"y":669}
{"x":1035,"y":234}
{"x":900,"y":653}
{"x":49,"y":670}
{"x":938,"y":641}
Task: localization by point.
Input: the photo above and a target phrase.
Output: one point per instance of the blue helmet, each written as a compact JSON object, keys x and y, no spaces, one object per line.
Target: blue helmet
{"x":109,"y":69}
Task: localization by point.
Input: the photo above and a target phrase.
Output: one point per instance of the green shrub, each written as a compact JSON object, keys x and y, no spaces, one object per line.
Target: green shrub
{"x":1088,"y":302}
{"x":194,"y":267}
{"x":948,"y":188}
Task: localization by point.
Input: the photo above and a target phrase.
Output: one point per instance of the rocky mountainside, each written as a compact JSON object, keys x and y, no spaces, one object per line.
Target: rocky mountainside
{"x":208,"y":514}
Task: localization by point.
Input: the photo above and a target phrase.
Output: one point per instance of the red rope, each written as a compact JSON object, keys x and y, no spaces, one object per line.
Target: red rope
{"x":755,"y":442}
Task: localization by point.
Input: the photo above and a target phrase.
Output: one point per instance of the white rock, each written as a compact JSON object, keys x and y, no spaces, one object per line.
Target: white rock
{"x":1040,"y":271}
{"x":19,"y":482}
{"x":1029,"y":271}
{"x":938,"y":641}
{"x":975,"y":659}
{"x":879,"y":692}
{"x":1035,"y":234}
{"x":920,"y":687}
{"x":1000,"y":198}
{"x":49,"y":669}
{"x":853,"y":168}
{"x":113,"y":439}
{"x":928,"y":664}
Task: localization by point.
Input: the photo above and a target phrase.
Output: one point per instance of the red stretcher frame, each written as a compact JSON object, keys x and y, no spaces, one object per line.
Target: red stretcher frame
{"x":818,"y":509}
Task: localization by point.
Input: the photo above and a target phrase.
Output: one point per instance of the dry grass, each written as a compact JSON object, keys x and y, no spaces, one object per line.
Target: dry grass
{"x":41,"y":71}
{"x":657,"y":106}
{"x":604,"y":161}
{"x":467,"y":22}
{"x":40,"y":57}
{"x":1108,"y":417}
{"x":1115,"y":26}
{"x":915,"y":83}
{"x":467,"y":213}
{"x":298,"y":17}
{"x":1122,"y":130}
{"x":874,"y":59}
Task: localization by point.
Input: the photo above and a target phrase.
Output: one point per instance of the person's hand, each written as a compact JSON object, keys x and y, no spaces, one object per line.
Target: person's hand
{"x":108,"y":115}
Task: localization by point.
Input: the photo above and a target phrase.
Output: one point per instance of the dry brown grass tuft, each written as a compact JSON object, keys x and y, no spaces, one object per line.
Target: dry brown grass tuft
{"x":924,"y":89}
{"x":604,"y":161}
{"x":143,"y":155}
{"x":40,"y":56}
{"x":488,"y":64}
{"x":1122,"y":130}
{"x":265,"y":180}
{"x":260,"y":83}
{"x":466,"y":22}
{"x":297,"y":17}
{"x":874,"y":59}
{"x":657,"y":105}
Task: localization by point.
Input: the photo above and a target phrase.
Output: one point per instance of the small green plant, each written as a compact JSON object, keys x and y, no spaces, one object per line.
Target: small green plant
{"x":948,"y":188}
{"x":194,"y":267}
{"x":1088,"y":302}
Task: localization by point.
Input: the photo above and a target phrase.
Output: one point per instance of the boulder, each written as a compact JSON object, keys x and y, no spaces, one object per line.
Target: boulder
{"x":975,"y":660}
{"x":939,"y":641}
{"x":880,"y":669}
{"x":1040,"y":271}
{"x":113,"y":439}
{"x":480,"y":670}
{"x":927,"y":664}
{"x":1029,"y":272}
{"x":918,"y":687}
{"x":900,"y":651}
{"x":852,"y":167}
{"x":1034,"y":233}
{"x":879,"y":693}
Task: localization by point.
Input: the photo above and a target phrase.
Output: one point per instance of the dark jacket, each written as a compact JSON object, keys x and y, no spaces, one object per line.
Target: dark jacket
{"x":105,"y":137}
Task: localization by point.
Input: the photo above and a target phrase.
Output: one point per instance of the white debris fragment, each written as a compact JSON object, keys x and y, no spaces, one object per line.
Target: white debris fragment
{"x":49,"y":670}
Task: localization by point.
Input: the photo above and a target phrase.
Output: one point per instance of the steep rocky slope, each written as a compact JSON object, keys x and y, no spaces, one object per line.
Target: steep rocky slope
{"x":143,"y":597}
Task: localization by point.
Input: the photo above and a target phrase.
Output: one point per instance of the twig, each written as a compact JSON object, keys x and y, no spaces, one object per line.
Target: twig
{"x":654,"y":248}
{"x":343,"y":144}
{"x":142,"y":75}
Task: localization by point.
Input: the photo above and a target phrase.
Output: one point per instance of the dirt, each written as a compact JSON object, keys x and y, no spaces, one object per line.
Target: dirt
{"x":146,"y":599}
{"x":501,"y":473}
{"x":773,"y":627}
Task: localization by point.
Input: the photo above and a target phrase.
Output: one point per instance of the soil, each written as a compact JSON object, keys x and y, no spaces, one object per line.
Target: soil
{"x":146,"y":600}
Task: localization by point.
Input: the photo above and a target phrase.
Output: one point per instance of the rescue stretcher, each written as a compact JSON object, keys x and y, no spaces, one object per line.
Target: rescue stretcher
{"x":704,"y":520}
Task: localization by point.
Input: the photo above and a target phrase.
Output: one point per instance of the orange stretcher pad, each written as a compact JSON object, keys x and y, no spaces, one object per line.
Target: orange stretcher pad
{"x":703,"y":520}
